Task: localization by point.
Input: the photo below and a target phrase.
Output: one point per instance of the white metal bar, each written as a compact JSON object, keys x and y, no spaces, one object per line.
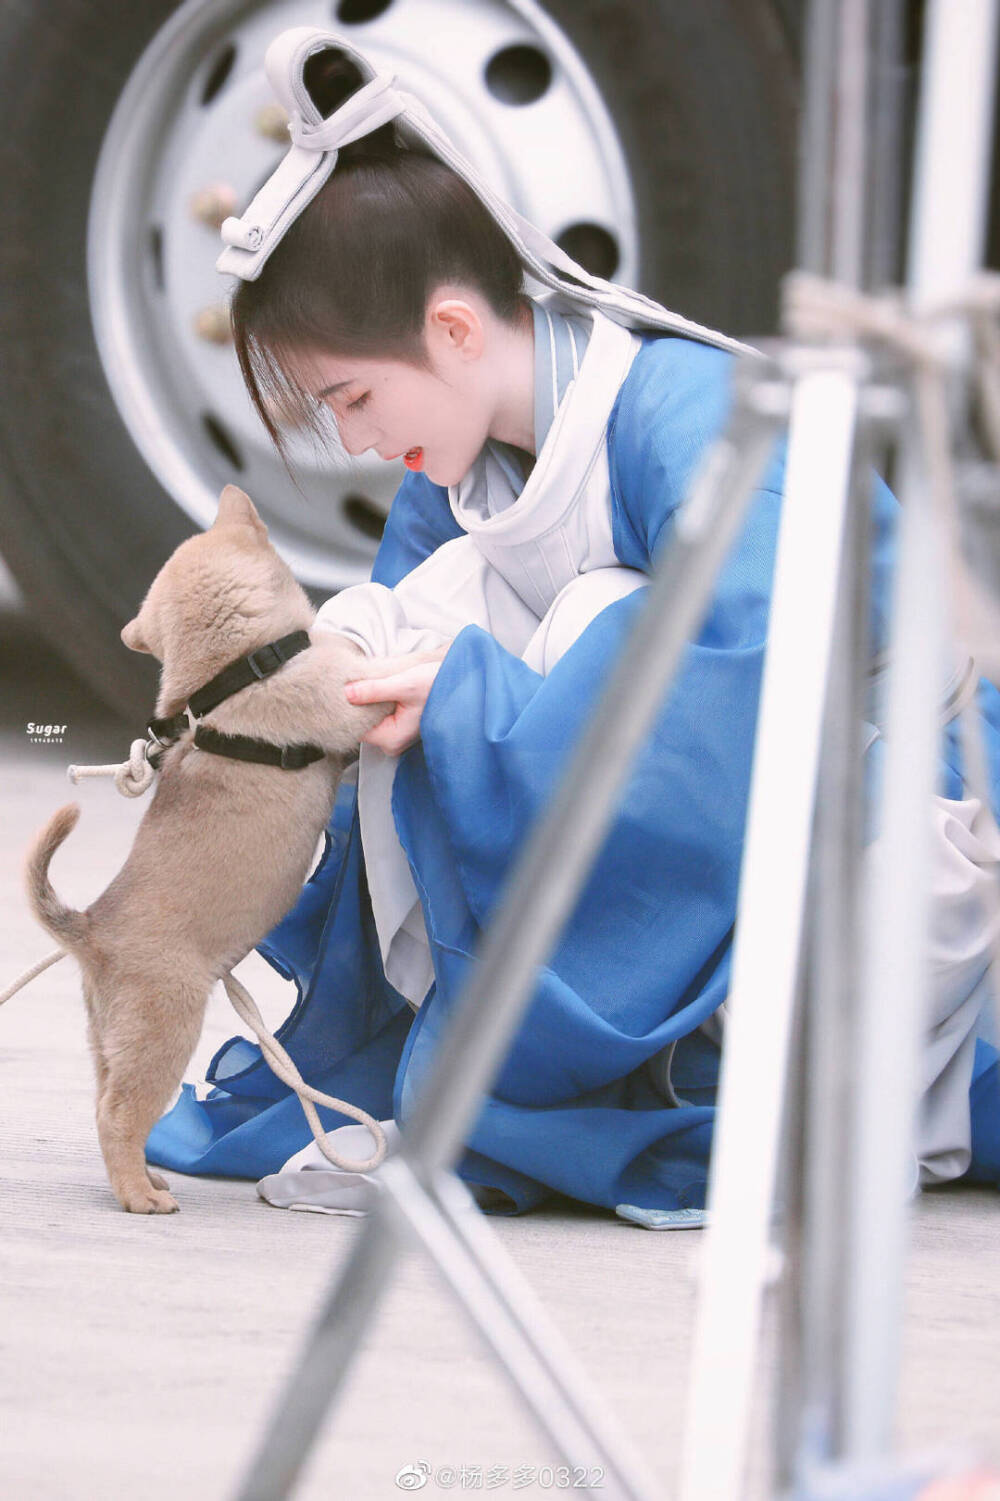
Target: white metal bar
{"x":324,"y":1360}
{"x":849,"y":180}
{"x":830,"y":1005}
{"x":893,"y":987}
{"x":950,"y":193}
{"x":768,"y":932}
{"x":953,"y":149}
{"x":443,"y":1217}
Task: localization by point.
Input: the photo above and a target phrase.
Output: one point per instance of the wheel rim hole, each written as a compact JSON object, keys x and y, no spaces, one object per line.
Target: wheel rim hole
{"x":156,"y":255}
{"x":518,"y":75}
{"x":222,"y":440}
{"x":594,"y":247}
{"x":218,"y":73}
{"x":364,"y":516}
{"x":357,"y":12}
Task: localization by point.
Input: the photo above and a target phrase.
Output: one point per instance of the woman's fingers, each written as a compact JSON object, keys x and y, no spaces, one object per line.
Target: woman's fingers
{"x":408,"y":690}
{"x":396,"y":733}
{"x":410,"y":686}
{"x":374,"y":690}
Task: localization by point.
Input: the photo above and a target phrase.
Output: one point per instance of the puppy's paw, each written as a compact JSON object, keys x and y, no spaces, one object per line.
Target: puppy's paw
{"x":149,"y":1200}
{"x":157,"y":1180}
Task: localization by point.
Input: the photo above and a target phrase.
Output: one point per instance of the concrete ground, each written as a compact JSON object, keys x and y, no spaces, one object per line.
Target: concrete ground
{"x":142,"y":1355}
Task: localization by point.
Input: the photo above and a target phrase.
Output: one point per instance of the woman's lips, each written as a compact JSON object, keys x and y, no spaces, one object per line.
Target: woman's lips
{"x":413,"y":458}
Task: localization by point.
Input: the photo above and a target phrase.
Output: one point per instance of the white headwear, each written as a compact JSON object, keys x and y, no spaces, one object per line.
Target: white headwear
{"x":316,"y":143}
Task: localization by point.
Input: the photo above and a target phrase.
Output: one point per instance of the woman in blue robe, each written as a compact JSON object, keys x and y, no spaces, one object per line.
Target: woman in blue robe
{"x":584,"y":1104}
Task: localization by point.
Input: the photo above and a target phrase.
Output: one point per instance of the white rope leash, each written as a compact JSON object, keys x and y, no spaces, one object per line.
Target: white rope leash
{"x":280,"y":1064}
{"x":29,"y":974}
{"x":815,"y":308}
{"x":278,"y":1061}
{"x":132,"y":777}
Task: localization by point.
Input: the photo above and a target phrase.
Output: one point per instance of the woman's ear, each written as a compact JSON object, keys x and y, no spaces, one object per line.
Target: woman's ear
{"x":132,"y":637}
{"x":454,"y":323}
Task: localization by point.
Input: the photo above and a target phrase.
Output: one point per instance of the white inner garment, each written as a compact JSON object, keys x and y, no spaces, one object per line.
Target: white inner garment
{"x":533,"y":569}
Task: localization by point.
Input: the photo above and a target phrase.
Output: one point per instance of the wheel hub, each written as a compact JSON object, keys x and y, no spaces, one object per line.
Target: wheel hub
{"x":194,"y":134}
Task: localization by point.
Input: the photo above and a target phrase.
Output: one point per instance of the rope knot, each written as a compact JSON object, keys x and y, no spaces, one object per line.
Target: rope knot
{"x":135,"y":776}
{"x":813,"y":307}
{"x":132,"y":777}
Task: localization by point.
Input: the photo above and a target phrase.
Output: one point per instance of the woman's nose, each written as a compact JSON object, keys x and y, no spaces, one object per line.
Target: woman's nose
{"x":356,"y":438}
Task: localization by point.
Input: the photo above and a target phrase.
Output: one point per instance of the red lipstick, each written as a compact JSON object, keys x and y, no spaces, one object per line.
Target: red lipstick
{"x":414,"y":458}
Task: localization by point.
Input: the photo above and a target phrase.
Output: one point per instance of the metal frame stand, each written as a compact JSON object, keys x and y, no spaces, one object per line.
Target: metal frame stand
{"x":859,"y":967}
{"x":811,"y":678}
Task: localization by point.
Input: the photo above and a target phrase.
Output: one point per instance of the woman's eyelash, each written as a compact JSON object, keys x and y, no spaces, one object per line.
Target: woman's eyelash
{"x":352,"y":405}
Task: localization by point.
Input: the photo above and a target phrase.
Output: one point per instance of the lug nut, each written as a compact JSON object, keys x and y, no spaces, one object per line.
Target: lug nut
{"x":271,"y":121}
{"x":213,"y":204}
{"x":212,"y":324}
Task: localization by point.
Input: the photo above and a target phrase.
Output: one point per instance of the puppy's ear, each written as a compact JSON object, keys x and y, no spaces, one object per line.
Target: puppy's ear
{"x":132,"y":637}
{"x":236,"y":507}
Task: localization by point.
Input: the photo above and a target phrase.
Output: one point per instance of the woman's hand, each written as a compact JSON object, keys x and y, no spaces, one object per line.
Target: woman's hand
{"x":406,"y":681}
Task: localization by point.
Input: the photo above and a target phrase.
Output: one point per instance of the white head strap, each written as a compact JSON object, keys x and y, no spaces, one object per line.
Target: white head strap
{"x":316,"y":143}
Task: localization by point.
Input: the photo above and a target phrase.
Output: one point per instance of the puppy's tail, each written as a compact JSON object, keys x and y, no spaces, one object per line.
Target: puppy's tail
{"x":67,"y":926}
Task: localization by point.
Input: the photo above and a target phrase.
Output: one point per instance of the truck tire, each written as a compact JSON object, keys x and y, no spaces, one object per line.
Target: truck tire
{"x":702,"y":99}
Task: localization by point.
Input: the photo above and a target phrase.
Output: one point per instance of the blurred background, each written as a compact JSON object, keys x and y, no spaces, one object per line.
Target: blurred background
{"x":653,"y":139}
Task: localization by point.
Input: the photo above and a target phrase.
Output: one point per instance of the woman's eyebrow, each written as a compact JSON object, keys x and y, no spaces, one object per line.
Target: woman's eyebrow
{"x":329,"y":390}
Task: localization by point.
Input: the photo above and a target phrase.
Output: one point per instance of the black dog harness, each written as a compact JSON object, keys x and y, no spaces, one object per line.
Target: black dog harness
{"x":252,"y":668}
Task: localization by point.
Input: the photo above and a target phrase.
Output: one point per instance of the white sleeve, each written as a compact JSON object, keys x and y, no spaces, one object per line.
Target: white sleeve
{"x":453,"y":588}
{"x":372,"y":617}
{"x":960,"y":933}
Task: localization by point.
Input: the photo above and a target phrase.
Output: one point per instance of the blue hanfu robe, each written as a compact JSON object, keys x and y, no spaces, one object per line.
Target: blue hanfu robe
{"x":644,"y":961}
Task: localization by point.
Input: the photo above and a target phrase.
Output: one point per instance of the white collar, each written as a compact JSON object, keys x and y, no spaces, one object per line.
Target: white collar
{"x":561,"y":467}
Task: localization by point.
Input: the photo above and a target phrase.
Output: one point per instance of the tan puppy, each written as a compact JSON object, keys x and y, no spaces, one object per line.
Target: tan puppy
{"x":225,"y":845}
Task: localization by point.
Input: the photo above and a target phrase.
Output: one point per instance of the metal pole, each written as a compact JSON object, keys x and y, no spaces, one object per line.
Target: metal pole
{"x":516,"y":1325}
{"x":850,"y":141}
{"x":444,"y":1217}
{"x":816,"y":1219}
{"x":888,"y":95}
{"x":769,"y":927}
{"x":951,"y":183}
{"x":846,"y":47}
{"x":323,"y":1363}
{"x":827,"y":1057}
{"x":954,"y":147}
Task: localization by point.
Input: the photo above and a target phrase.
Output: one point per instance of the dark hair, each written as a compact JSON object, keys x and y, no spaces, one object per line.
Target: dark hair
{"x":354,"y":272}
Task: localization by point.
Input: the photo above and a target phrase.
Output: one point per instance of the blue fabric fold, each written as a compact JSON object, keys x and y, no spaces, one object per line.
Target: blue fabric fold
{"x":984,"y":1102}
